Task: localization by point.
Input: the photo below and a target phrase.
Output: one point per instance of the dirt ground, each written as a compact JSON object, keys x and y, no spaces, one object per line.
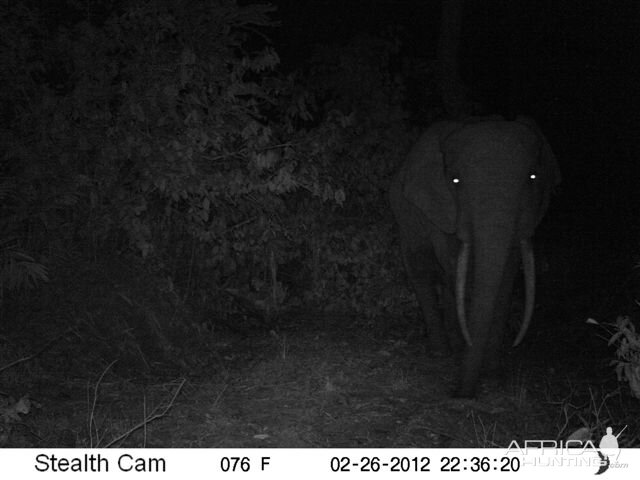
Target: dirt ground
{"x":317,"y":382}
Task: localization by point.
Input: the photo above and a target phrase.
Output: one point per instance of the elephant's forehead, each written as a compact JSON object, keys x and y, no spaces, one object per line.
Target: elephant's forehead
{"x":493,"y":153}
{"x":503,"y":141}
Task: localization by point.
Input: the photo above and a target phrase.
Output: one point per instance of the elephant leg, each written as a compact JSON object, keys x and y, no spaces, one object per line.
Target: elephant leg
{"x":448,"y":252}
{"x":454,"y":337}
{"x":424,"y":276}
{"x":496,"y":345}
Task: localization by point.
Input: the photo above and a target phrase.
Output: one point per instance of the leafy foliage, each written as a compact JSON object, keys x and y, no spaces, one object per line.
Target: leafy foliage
{"x":360,"y":272}
{"x":18,"y":269}
{"x":627,"y":342}
{"x":153,"y":129}
{"x":623,"y":336}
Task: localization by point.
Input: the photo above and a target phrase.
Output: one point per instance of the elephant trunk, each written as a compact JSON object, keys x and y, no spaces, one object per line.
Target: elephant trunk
{"x":490,"y":259}
{"x":529,"y":273}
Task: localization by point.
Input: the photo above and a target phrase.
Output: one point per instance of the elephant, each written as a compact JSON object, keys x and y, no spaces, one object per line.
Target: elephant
{"x":467,"y":200}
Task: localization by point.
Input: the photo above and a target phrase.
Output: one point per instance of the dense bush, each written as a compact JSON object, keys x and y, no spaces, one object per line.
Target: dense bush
{"x":154,"y":130}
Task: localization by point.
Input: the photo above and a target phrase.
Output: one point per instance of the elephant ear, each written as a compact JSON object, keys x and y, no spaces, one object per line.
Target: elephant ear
{"x":547,"y":166}
{"x":425,"y":184}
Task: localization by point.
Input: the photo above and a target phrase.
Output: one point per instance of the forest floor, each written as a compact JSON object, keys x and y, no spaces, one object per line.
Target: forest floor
{"x":88,"y":363}
{"x":324,"y":381}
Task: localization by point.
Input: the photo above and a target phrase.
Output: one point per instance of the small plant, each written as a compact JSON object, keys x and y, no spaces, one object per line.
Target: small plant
{"x":18,"y":269}
{"x":627,"y":342}
{"x":624,"y":337}
{"x":10,"y":411}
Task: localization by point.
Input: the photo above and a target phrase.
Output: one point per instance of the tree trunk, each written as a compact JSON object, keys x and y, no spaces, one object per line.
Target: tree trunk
{"x":454,"y":94}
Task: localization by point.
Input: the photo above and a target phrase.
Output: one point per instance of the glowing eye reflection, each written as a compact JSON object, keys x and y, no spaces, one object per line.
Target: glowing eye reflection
{"x":532,"y":176}
{"x":456,"y":180}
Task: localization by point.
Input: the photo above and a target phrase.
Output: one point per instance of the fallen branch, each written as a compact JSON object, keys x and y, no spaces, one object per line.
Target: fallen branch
{"x":155,"y":415}
{"x":93,"y":405}
{"x":33,"y":355}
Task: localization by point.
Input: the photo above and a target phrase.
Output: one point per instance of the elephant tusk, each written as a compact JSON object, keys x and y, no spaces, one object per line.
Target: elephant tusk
{"x":461,"y":283}
{"x":528,"y":266}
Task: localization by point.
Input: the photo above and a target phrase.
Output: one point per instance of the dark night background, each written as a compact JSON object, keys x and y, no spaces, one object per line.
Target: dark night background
{"x":178,"y":200}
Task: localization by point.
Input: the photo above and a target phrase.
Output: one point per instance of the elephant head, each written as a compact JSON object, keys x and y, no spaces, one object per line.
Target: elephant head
{"x":485,"y":182}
